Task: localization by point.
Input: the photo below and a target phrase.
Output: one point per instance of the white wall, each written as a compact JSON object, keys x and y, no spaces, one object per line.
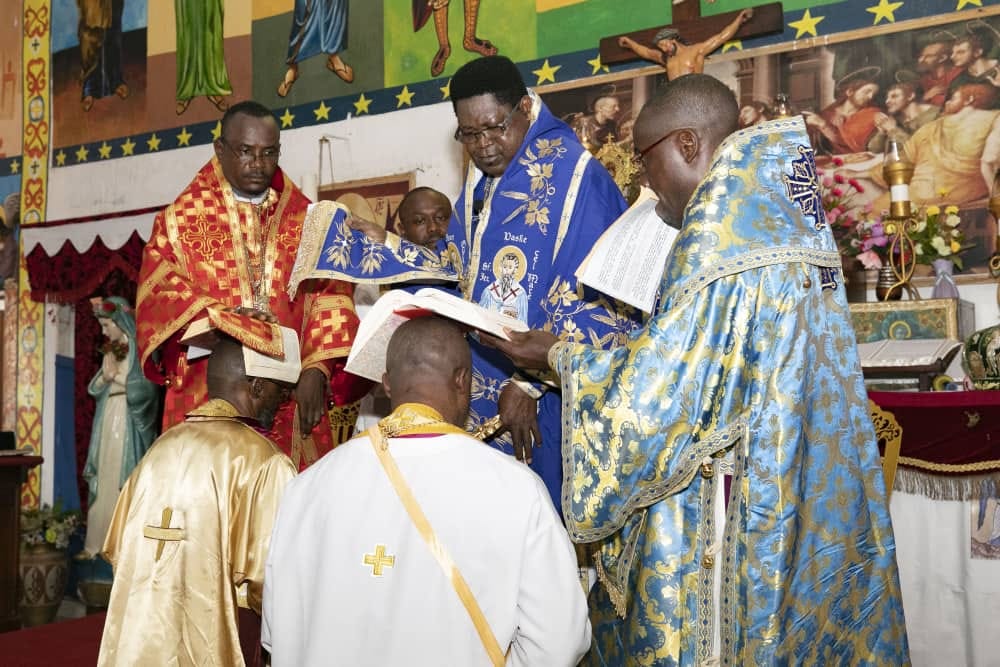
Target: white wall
{"x":418,"y":140}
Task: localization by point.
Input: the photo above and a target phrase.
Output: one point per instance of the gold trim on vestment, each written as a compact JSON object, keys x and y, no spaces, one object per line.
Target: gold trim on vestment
{"x":411,"y":416}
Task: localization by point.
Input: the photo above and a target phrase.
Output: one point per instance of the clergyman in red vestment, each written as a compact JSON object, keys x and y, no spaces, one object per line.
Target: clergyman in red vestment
{"x":229,"y":241}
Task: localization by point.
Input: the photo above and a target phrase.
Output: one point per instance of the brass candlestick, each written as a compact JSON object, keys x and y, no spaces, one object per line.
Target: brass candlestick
{"x":898,"y":171}
{"x":994,"y":207}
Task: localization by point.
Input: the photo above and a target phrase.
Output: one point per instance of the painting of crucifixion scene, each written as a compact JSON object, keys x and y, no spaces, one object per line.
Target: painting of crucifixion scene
{"x":935,"y":91}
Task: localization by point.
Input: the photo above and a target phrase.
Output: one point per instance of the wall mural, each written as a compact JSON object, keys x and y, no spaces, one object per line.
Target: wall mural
{"x":313,"y":61}
{"x":10,"y":85}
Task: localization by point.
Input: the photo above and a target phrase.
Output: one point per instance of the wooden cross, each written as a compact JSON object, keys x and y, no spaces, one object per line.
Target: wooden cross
{"x":163,"y":533}
{"x":693,"y":27}
{"x":378,"y":560}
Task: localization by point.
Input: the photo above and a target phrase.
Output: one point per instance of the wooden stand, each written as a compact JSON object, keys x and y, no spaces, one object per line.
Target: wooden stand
{"x":13,"y":473}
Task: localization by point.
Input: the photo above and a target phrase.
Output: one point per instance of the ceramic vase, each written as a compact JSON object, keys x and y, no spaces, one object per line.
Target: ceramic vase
{"x":44,"y":571}
{"x":982,"y":358}
{"x":884,"y":285}
{"x":944,"y":283}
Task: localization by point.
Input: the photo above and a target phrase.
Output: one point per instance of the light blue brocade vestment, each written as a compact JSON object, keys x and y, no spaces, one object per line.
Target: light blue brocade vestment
{"x":751,"y":360}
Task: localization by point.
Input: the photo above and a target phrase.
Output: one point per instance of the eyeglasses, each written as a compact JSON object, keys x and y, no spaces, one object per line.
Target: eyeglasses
{"x":490,"y":132}
{"x":247,"y":155}
{"x":639,"y":155}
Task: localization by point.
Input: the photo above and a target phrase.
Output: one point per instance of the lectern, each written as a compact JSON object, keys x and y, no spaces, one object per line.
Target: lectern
{"x":13,"y":473}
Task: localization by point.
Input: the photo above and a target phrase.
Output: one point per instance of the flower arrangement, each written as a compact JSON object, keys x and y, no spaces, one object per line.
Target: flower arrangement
{"x":49,"y":525}
{"x":937,"y":236}
{"x":857,"y":236}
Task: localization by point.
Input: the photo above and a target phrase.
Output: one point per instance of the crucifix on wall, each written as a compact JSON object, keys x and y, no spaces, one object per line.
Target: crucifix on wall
{"x":682,"y":46}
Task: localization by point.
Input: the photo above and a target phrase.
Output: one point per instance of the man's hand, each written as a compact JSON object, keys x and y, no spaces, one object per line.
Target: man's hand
{"x":311,"y":397}
{"x":746,"y":15}
{"x":368,"y":228}
{"x":254,"y":313}
{"x":527,"y":349}
{"x":519,"y":414}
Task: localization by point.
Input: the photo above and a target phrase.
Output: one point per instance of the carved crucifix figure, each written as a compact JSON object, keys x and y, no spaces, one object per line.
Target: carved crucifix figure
{"x":676,"y":55}
{"x":682,"y":46}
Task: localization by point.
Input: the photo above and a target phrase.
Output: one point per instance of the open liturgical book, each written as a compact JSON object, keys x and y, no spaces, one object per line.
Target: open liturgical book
{"x":266,"y":344}
{"x":627,"y":261}
{"x":367,"y":357}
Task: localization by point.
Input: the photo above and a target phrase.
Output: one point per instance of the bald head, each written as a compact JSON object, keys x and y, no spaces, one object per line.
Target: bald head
{"x":225,"y":367}
{"x":428,"y":361}
{"x":677,"y":133}
{"x":698,"y":101}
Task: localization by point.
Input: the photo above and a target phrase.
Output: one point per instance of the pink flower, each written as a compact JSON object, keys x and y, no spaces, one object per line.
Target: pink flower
{"x":835,"y":213}
{"x":827,"y":182}
{"x":855,"y":184}
{"x":838,"y":161}
{"x":839,"y":178}
{"x":837,"y":192}
{"x":870,"y":260}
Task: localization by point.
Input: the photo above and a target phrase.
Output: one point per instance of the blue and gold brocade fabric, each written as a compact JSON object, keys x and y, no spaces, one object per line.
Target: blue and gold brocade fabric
{"x":750,"y":366}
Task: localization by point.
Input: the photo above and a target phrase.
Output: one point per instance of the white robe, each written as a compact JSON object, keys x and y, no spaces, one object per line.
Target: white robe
{"x":324,"y":606}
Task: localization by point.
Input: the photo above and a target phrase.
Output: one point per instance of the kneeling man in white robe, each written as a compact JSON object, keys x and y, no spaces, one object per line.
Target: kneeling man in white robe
{"x":415,"y":544}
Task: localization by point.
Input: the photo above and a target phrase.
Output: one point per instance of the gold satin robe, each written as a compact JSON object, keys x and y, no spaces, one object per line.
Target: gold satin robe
{"x":179,"y":578}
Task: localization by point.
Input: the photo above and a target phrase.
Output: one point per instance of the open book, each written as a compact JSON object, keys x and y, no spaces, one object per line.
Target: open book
{"x":910,"y":352}
{"x":367,"y":357}
{"x":628,"y":259}
{"x":260,"y":336}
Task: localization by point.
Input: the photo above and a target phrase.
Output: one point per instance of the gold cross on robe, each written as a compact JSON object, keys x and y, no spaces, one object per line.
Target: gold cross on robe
{"x":163,"y":533}
{"x":378,"y":560}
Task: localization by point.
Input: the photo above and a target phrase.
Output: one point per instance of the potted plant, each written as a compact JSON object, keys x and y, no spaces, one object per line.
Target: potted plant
{"x":45,"y":535}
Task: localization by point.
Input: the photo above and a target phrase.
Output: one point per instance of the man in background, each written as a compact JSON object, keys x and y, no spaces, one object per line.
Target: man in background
{"x":435,"y":498}
{"x":229,"y":241}
{"x":189,"y":536}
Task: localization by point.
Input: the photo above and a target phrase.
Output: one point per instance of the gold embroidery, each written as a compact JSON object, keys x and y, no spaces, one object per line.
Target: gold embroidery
{"x":378,"y":560}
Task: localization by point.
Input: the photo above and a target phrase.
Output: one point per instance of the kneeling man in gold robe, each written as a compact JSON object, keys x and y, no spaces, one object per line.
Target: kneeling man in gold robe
{"x":189,"y":536}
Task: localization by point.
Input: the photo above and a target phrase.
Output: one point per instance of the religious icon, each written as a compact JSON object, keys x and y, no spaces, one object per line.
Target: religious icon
{"x":505,"y":294}
{"x":318,"y":28}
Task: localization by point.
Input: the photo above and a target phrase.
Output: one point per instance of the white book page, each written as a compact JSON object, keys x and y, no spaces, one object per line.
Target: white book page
{"x":367,"y":357}
{"x":902,"y":353}
{"x":627,"y":261}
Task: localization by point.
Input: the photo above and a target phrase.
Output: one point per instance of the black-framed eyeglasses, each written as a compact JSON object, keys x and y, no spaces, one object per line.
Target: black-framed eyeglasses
{"x":247,"y":155}
{"x":491,"y":132}
{"x":639,"y":155}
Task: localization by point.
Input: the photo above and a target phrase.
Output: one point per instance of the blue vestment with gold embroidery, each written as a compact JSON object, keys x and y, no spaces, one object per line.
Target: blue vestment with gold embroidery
{"x":750,"y":367}
{"x":537,"y":224}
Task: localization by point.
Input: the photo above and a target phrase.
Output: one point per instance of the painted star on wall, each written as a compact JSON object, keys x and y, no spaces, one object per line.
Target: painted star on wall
{"x":546,"y":73}
{"x":362,"y":104}
{"x":287,"y":119}
{"x":153,"y":143}
{"x":184,"y":138}
{"x":322,"y":112}
{"x":404,"y":97}
{"x":806,"y":25}
{"x":128,"y":148}
{"x":884,"y":10}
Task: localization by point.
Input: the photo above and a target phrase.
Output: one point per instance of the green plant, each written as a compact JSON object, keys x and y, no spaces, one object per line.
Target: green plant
{"x":49,"y":525}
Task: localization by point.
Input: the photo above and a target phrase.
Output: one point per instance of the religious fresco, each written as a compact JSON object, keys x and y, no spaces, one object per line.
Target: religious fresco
{"x":103,"y":56}
{"x":10,"y":85}
{"x":320,"y":61}
{"x":98,"y":69}
{"x":855,"y":94}
{"x":305,"y":50}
